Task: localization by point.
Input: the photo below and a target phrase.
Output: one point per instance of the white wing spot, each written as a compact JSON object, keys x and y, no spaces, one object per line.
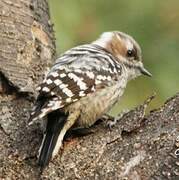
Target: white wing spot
{"x":56,"y":105}
{"x":67,"y":92}
{"x":82,"y":85}
{"x":68,"y":100}
{"x":90,"y":74}
{"x":49,"y":81}
{"x":63,"y":86}
{"x":57,"y":82}
{"x":78,"y":70}
{"x":52,"y":102}
{"x":81,"y":94}
{"x":74,"y":100}
{"x":62,"y":75}
{"x":46,"y":89}
{"x":38,"y":88}
{"x":54,"y":74}
{"x":100,"y":77}
{"x":73,"y":76}
{"x":52,"y":93}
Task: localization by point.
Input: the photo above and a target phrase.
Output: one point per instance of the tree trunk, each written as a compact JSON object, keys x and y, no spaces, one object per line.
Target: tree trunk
{"x":138,"y":147}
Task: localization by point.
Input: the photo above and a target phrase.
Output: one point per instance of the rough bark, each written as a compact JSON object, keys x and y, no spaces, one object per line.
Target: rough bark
{"x":138,"y":147}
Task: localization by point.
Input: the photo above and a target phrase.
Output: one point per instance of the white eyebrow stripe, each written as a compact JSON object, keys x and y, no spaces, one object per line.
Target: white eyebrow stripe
{"x":129,"y":44}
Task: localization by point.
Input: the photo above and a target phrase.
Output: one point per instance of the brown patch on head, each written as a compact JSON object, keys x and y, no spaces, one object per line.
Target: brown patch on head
{"x":120,"y":45}
{"x":116,"y":46}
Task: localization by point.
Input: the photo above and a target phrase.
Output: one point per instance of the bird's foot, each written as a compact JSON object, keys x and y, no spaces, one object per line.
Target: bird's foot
{"x":113,"y":120}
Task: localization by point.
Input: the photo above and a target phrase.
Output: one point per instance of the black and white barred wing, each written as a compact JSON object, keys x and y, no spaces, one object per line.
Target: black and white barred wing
{"x":76,"y":74}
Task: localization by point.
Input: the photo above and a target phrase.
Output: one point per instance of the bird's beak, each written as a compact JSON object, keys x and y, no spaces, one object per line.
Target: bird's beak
{"x":145,"y":72}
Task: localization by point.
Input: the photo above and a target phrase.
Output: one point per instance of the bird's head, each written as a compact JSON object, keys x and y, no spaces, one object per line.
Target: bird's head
{"x":126,"y":50}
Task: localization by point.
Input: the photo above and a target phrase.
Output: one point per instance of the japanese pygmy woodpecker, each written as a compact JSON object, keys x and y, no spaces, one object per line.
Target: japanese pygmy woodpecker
{"x":83,"y":85}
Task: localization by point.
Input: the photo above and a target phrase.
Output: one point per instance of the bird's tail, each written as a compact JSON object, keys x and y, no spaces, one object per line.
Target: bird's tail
{"x":55,"y":122}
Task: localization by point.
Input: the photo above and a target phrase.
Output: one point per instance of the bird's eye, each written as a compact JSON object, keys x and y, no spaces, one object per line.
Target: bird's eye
{"x":130,"y":53}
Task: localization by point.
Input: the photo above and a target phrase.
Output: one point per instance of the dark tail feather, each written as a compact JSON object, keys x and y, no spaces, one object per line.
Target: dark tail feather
{"x":55,"y":123}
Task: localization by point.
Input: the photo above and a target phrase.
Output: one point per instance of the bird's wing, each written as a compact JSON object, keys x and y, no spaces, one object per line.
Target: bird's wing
{"x":80,"y":71}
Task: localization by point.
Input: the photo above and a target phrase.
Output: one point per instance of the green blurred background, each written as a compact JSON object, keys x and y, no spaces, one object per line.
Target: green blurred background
{"x":154,"y":24}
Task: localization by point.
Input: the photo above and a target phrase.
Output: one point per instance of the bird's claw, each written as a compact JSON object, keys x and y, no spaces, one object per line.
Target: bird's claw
{"x":112,"y":121}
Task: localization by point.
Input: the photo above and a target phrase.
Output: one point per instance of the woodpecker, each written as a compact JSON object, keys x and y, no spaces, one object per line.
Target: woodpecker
{"x":83,"y":85}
